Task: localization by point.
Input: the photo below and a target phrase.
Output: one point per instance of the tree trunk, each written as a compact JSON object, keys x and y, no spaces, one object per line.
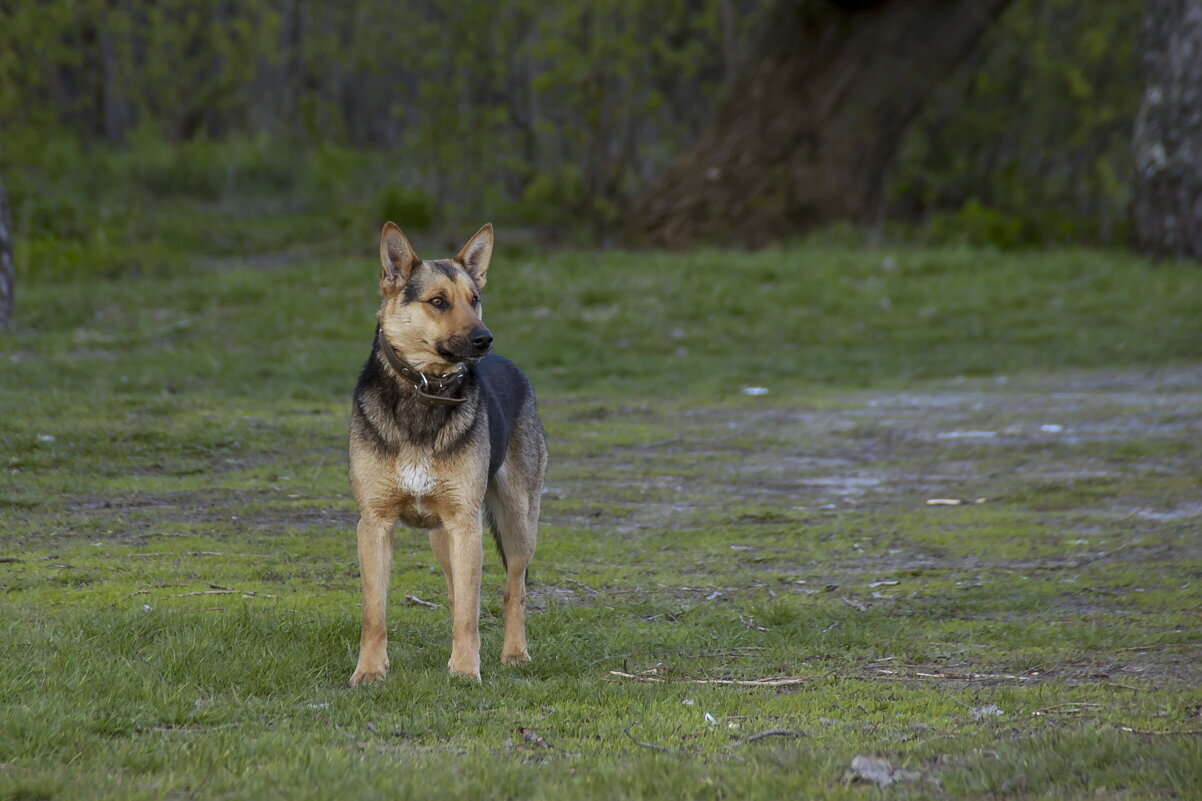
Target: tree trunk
{"x":1167,"y":203}
{"x":810,"y":122}
{"x":7,"y":269}
{"x":116,"y":104}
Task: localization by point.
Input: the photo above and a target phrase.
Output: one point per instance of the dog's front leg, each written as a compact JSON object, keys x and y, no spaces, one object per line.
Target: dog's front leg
{"x":466,"y":555}
{"x":375,"y":566}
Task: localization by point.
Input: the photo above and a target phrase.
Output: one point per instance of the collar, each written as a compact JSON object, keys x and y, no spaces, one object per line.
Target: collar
{"x":429,"y":388}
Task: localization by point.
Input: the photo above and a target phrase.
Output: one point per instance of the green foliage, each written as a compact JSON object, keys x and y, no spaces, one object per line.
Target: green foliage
{"x":1030,"y":144}
{"x":155,"y":208}
{"x":978,"y":225}
{"x":415,"y":207}
{"x":546,"y":113}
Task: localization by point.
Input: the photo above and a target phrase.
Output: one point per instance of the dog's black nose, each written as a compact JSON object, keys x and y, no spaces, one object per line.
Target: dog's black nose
{"x":481,"y":338}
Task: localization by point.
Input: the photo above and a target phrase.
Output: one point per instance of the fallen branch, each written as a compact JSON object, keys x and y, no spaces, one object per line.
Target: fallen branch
{"x":1164,"y":732}
{"x":895,"y":675}
{"x":635,"y":677}
{"x":853,"y":604}
{"x":581,"y":584}
{"x":645,"y":745}
{"x":771,"y":733}
{"x":246,"y":593}
{"x":777,"y":681}
{"x":1068,"y":708}
{"x":413,"y":599}
{"x":974,"y":676}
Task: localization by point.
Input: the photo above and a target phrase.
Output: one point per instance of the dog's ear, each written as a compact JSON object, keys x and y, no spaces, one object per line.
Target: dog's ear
{"x":475,"y":254}
{"x":397,"y":259}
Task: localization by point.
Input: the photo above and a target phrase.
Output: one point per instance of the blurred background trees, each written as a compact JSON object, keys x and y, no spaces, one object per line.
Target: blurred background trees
{"x":547,"y":116}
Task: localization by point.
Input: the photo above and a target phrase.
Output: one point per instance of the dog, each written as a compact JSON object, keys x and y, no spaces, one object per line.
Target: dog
{"x":444,"y":436}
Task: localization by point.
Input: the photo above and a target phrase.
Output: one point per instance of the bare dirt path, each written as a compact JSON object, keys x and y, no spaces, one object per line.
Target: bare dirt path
{"x":960,"y":440}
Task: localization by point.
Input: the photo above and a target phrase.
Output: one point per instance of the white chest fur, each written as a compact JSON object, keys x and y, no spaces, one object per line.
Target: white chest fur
{"x":414,"y":476}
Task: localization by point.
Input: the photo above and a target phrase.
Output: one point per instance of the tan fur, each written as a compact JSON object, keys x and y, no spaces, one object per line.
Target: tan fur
{"x":443,"y":487}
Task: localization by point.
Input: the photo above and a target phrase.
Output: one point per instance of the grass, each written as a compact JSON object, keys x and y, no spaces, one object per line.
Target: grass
{"x":180,"y":589}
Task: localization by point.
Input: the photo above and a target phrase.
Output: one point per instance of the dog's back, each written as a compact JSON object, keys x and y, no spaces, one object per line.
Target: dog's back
{"x":507,"y":394}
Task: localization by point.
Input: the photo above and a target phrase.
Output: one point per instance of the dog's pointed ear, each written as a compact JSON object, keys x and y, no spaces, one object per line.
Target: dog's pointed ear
{"x":475,"y":254}
{"x":397,"y":259}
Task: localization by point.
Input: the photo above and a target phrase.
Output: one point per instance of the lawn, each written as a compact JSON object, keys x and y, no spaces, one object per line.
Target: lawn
{"x":735,"y":595}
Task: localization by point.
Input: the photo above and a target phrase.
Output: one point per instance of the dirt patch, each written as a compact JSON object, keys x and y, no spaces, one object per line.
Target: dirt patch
{"x":1093,"y":472}
{"x":883,"y":450}
{"x":138,"y":518}
{"x":1114,"y":438}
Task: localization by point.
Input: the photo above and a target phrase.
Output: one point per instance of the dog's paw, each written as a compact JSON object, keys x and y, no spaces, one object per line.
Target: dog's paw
{"x":515,"y":657}
{"x":466,"y":670}
{"x":362,"y":676}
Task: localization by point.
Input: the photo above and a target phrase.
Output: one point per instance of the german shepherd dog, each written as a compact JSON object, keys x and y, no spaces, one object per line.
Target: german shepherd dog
{"x":444,"y":436}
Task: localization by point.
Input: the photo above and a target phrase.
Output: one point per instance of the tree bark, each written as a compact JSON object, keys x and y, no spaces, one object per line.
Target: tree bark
{"x":117,"y":117}
{"x":1167,"y":197}
{"x":7,"y":269}
{"x":811,"y":121}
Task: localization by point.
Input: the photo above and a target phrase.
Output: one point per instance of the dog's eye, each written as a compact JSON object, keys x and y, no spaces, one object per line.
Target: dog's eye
{"x":475,"y":300}
{"x":438,"y":303}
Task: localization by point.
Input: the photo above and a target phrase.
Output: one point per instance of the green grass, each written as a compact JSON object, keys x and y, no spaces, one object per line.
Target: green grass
{"x":615,"y":323}
{"x":182,"y":434}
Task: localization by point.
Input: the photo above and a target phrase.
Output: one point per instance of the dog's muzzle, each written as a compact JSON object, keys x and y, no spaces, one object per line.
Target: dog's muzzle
{"x":471,"y":347}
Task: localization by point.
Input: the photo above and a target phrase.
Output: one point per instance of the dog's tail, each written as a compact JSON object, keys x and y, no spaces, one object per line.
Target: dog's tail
{"x":491,"y":522}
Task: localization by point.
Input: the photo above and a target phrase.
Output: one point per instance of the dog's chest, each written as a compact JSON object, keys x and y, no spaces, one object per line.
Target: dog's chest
{"x":415,"y":475}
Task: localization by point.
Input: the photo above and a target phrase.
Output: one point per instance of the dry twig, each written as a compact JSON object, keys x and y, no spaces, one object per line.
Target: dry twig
{"x":771,"y":733}
{"x":582,"y":585}
{"x":413,"y":599}
{"x":641,"y":744}
{"x":247,"y":593}
{"x":1068,"y":708}
{"x":854,"y":604}
{"x":894,"y":675}
{"x":1163,"y":732}
{"x":772,"y":681}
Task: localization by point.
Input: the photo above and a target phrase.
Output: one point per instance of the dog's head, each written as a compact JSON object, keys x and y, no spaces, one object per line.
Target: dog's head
{"x":431,"y":310}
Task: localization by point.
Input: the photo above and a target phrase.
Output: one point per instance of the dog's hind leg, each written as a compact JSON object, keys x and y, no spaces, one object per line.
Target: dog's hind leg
{"x":375,"y":566}
{"x":514,"y":510}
